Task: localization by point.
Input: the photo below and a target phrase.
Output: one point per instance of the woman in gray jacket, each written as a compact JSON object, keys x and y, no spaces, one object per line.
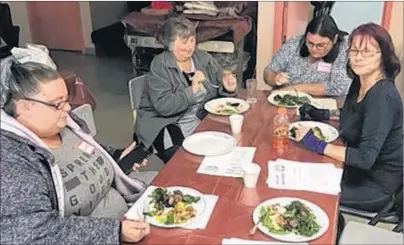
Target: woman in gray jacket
{"x":181,"y":80}
{"x":58,"y":185}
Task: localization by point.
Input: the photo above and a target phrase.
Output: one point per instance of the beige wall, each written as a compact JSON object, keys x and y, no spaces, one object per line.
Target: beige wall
{"x":397,"y":32}
{"x":265,"y":32}
{"x":20,"y":18}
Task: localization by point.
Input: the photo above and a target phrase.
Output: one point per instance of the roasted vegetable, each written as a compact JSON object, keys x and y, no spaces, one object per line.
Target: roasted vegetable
{"x":293,"y":218}
{"x":291,"y":100}
{"x":317,"y":132}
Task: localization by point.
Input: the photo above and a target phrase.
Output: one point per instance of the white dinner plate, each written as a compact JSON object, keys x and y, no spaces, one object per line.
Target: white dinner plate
{"x":227,"y":106}
{"x":199,"y":206}
{"x":321,"y":218}
{"x":209,"y":143}
{"x":271,"y":97}
{"x":330,"y":133}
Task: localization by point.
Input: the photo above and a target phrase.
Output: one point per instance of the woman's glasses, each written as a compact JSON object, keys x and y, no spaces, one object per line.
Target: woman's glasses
{"x":365,"y":53}
{"x":58,"y":106}
{"x":318,"y":46}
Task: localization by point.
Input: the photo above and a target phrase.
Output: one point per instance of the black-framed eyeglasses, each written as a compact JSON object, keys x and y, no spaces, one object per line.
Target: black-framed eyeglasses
{"x":318,"y":46}
{"x":58,"y":106}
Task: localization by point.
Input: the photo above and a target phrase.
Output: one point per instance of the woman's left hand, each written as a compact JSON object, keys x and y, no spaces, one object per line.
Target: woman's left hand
{"x":137,"y":166}
{"x":229,"y":81}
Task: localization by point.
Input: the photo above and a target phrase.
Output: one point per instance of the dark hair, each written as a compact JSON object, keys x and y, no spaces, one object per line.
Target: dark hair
{"x":325,"y":26}
{"x":390,"y":61}
{"x":19,"y":81}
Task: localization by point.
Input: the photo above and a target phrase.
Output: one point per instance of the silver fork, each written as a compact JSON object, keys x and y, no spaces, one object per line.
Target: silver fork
{"x":211,"y":84}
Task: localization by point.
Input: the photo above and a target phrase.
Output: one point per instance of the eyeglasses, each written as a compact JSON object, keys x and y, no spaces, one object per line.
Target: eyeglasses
{"x":365,"y":53}
{"x":318,"y":46}
{"x":58,"y":106}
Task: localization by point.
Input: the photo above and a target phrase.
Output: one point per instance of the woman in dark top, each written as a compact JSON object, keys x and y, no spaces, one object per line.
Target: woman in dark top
{"x":371,"y":122}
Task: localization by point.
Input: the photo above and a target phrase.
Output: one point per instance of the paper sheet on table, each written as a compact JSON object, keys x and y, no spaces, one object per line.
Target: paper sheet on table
{"x":315,"y":177}
{"x":229,"y":165}
{"x":238,"y":241}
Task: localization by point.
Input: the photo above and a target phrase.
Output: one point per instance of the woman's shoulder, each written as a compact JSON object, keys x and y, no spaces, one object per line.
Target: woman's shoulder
{"x":161,"y":60}
{"x":293,"y":42}
{"x":385,"y":91}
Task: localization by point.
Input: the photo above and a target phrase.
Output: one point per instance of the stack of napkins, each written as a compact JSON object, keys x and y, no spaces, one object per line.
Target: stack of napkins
{"x":228,"y":241}
{"x":136,"y":211}
{"x":315,"y":177}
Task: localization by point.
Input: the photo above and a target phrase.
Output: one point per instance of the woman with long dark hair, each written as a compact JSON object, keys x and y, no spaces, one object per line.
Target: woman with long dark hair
{"x":314,"y":62}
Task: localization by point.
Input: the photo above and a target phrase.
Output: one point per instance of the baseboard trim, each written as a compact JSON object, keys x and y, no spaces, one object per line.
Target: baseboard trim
{"x":89,"y":51}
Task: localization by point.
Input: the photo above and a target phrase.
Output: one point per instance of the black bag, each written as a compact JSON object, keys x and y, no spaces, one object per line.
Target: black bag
{"x":8,"y":32}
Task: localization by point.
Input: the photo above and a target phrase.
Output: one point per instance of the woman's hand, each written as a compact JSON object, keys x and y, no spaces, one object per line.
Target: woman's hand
{"x":197,"y":80}
{"x":229,"y":81}
{"x":137,"y":166}
{"x":305,"y":135}
{"x":281,"y":78}
{"x":134,"y":231}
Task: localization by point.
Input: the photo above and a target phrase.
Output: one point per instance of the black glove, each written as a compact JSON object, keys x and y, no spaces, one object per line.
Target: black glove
{"x":311,"y":113}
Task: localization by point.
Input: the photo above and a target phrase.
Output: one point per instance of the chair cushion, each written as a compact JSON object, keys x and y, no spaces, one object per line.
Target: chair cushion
{"x":357,"y":233}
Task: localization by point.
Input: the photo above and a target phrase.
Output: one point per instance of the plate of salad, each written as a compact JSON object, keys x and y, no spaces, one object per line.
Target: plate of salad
{"x":173,"y":206}
{"x":291,"y":219}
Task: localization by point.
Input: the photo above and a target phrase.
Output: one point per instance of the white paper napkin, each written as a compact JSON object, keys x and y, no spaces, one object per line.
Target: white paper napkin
{"x":229,"y":165}
{"x":315,"y":177}
{"x":136,"y":211}
{"x":237,"y":241}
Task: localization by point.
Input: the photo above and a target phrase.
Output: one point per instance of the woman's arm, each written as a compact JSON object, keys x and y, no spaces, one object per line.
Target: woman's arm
{"x":28,"y":215}
{"x":378,"y":121}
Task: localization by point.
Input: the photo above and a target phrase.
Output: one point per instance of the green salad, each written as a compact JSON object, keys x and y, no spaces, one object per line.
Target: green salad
{"x":291,"y":100}
{"x":294,"y":218}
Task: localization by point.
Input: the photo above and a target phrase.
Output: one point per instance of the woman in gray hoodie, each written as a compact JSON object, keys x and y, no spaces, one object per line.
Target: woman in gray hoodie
{"x":58,"y":185}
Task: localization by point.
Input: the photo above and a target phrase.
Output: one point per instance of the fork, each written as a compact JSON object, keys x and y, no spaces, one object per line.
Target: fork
{"x":293,"y":86}
{"x":210,"y":83}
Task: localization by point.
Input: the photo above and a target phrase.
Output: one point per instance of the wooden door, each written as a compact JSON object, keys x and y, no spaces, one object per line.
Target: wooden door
{"x":56,"y":25}
{"x":291,"y":19}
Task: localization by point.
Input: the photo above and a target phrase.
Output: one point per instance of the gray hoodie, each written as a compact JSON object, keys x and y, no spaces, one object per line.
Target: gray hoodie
{"x":32,"y":205}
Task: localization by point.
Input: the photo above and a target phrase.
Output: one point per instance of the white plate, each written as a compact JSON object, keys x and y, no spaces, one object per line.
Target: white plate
{"x":322,"y":219}
{"x":283,"y":93}
{"x":199,"y":206}
{"x":209,"y":143}
{"x":328,"y":131}
{"x":212,"y":105}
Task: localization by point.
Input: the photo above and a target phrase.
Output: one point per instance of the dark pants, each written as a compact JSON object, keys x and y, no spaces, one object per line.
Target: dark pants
{"x":365,"y":195}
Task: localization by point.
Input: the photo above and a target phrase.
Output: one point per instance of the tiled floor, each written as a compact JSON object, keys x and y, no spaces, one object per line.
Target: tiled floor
{"x":107,"y":78}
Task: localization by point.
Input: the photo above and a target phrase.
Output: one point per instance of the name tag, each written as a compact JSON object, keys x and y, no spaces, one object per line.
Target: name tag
{"x":86,"y":148}
{"x":324,"y":67}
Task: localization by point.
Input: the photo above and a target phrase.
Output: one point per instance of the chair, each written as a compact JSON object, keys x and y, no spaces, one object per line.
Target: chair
{"x":389,"y":214}
{"x":357,"y":233}
{"x":85,"y":113}
{"x":136,"y":89}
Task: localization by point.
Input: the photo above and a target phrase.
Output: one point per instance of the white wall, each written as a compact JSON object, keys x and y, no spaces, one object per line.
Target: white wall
{"x":350,"y":15}
{"x":265,"y":40}
{"x":107,"y":13}
{"x":20,"y":18}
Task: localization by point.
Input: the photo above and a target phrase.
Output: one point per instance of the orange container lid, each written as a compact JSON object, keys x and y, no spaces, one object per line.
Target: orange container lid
{"x":282,"y":110}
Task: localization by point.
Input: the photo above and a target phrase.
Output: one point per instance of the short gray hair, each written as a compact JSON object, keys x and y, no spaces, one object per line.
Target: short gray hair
{"x":175,"y":27}
{"x":18,"y":81}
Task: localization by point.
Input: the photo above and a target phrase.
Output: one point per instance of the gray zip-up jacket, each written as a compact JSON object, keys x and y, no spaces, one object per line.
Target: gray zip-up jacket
{"x":167,"y":94}
{"x":32,"y":205}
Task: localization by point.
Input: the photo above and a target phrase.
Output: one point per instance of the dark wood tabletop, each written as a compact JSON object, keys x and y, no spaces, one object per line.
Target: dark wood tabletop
{"x":232,"y":216}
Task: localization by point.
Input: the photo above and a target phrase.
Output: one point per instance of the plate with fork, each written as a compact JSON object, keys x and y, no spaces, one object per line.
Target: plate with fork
{"x":227,"y":106}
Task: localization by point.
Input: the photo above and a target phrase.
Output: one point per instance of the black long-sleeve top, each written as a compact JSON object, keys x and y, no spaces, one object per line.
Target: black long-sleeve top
{"x":373,"y":132}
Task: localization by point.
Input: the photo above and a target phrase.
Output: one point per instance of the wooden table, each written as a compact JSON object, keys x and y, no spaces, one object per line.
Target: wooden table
{"x":232,"y":216}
